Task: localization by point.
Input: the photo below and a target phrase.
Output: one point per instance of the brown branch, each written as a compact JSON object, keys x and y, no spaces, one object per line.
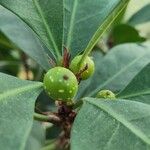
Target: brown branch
{"x":25,"y":64}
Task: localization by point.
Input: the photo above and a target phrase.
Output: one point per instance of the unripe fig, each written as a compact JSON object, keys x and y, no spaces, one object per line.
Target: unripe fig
{"x":76,"y":68}
{"x":106,"y":94}
{"x":60,"y":84}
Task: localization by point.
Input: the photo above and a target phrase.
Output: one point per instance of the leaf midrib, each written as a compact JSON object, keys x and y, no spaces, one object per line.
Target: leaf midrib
{"x":49,"y":33}
{"x":103,"y":28}
{"x":19,"y":90}
{"x":72,"y":19}
{"x":124,"y":122}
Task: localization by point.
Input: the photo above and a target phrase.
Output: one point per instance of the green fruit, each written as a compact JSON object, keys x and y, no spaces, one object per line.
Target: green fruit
{"x":75,"y":68}
{"x":60,"y":84}
{"x":106,"y":94}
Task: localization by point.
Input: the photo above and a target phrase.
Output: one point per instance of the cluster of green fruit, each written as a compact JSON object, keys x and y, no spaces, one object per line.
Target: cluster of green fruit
{"x":61,"y":83}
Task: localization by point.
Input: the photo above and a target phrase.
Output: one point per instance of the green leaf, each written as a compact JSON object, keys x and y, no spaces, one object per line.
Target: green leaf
{"x":124,"y":33}
{"x":118,"y":68}
{"x":17,"y":98}
{"x":142,"y":16}
{"x":48,"y":24}
{"x":36,"y":139}
{"x":139,"y":88}
{"x":18,"y":35}
{"x":85,"y":21}
{"x":111,"y":125}
{"x":44,"y":17}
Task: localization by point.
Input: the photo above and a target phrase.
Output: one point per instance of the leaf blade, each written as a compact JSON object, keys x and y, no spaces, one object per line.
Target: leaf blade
{"x":138,"y":89}
{"x":28,"y":42}
{"x":27,"y":11}
{"x":17,"y":110}
{"x":104,"y":26}
{"x":49,"y":33}
{"x":107,"y":121}
{"x":82,"y":16}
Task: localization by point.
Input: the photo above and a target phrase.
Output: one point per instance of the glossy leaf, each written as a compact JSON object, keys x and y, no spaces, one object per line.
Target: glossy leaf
{"x":142,"y":16}
{"x":139,"y":88}
{"x":111,"y":125}
{"x":17,"y":98}
{"x":118,"y":68}
{"x":124,"y":33}
{"x":19,"y":36}
{"x":86,"y":20}
{"x":44,"y":17}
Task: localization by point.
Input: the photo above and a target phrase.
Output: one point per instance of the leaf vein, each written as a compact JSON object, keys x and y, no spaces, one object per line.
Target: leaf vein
{"x":19,"y":90}
{"x":69,"y":38}
{"x":111,"y":137}
{"x":48,"y":30}
{"x":124,"y":122}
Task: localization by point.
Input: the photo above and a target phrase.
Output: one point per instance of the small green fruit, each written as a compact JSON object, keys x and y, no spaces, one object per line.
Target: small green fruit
{"x":106,"y":94}
{"x":75,"y":68}
{"x":60,"y":84}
